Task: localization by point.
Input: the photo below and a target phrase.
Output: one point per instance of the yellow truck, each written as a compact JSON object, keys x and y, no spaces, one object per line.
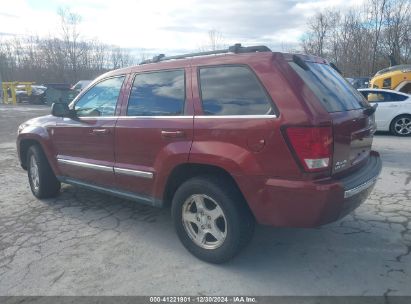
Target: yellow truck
{"x":396,"y":78}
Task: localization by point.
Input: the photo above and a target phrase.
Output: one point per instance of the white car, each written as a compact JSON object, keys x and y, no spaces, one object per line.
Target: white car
{"x":393,"y":112}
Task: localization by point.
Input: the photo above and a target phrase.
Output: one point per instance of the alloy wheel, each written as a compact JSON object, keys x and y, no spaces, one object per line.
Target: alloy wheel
{"x":34,"y":173}
{"x":402,"y":126}
{"x":204,"y":221}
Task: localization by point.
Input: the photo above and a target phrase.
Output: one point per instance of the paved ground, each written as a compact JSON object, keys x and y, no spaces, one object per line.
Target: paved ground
{"x":83,"y":243}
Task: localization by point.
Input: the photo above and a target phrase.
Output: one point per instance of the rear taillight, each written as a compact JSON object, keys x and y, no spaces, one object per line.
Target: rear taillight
{"x":312,"y":146}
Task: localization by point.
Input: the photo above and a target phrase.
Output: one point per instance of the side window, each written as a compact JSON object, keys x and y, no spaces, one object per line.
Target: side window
{"x":386,"y":97}
{"x":157,"y":94}
{"x":406,"y":88}
{"x":101,"y":99}
{"x":396,"y":97}
{"x":374,"y":97}
{"x":386,"y":83}
{"x":232,"y":90}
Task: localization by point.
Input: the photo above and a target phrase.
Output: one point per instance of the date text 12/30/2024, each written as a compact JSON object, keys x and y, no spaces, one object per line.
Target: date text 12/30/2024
{"x":202,"y":299}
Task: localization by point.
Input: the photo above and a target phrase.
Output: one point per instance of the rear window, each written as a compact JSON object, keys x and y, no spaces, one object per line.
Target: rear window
{"x":232,"y":90}
{"x":333,"y":91}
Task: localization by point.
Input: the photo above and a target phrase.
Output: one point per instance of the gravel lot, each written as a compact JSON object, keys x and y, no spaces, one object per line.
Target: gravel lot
{"x":84,"y":243}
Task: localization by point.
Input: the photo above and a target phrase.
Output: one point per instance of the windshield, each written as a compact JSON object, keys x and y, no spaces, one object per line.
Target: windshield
{"x":334,"y":92}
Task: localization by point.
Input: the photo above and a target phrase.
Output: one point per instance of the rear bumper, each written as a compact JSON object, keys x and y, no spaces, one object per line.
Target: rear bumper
{"x":290,"y":203}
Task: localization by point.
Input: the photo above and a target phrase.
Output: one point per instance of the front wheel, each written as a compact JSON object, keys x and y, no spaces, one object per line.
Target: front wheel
{"x":401,"y":125}
{"x":43,"y":182}
{"x":211,"y":219}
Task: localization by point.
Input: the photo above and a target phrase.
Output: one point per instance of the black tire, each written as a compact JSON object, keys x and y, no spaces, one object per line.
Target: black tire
{"x":238,"y":220}
{"x":400,"y":132}
{"x":47,"y":184}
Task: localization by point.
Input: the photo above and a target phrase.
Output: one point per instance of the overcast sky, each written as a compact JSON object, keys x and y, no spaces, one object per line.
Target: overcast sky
{"x":173,"y":25}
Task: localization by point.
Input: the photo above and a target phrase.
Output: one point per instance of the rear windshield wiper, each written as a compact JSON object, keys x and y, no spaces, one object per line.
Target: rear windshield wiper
{"x":335,"y":68}
{"x":370,"y":110}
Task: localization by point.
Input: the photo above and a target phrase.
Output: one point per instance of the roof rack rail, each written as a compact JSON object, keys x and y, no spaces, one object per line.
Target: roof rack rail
{"x":236,"y":49}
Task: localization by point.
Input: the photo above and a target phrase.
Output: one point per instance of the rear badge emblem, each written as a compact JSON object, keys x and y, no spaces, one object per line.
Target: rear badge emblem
{"x":340,"y":164}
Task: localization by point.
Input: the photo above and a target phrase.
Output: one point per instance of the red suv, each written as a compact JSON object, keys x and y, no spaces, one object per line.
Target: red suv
{"x":226,"y":138}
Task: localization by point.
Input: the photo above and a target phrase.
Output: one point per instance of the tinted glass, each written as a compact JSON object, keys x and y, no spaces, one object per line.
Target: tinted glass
{"x":232,"y":90}
{"x":373,"y":96}
{"x":396,"y":97}
{"x":157,"y":94}
{"x":334,"y":92}
{"x":100,"y":100}
{"x":386,"y":83}
{"x":383,"y":96}
{"x":406,"y":88}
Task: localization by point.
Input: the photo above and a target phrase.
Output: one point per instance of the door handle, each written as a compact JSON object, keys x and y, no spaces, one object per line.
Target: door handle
{"x":100,"y":131}
{"x":172,"y":134}
{"x":393,"y":106}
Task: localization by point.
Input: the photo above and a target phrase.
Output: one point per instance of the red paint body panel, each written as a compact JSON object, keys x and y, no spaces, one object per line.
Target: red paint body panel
{"x":253,"y":151}
{"x":141,"y":146}
{"x":74,"y":140}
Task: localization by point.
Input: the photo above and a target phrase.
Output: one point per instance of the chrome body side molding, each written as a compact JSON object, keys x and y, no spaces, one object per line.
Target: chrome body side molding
{"x":262,"y":116}
{"x":137,"y":173}
{"x":117,"y":170}
{"x":85,"y":165}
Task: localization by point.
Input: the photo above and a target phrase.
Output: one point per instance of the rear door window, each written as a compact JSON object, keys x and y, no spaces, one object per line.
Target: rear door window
{"x":157,"y":94}
{"x":383,"y":96}
{"x":333,"y":91}
{"x":232,"y":90}
{"x":396,"y":97}
{"x":373,"y":96}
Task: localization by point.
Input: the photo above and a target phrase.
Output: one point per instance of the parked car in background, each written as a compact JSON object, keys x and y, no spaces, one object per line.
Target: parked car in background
{"x":359,"y":82}
{"x":58,"y":85}
{"x":393,"y":112}
{"x":81,"y":85}
{"x":59,"y":92}
{"x":37,"y":95}
{"x":246,"y":135}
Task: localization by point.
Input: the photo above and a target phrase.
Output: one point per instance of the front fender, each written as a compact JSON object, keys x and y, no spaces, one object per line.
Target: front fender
{"x":39,"y":135}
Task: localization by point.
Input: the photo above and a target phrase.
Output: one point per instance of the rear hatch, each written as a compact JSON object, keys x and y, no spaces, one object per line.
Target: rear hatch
{"x":351,"y":116}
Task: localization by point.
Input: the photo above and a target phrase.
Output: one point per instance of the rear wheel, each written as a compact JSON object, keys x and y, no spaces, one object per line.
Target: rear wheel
{"x":43,"y":182}
{"x":211,"y":219}
{"x":401,"y":125}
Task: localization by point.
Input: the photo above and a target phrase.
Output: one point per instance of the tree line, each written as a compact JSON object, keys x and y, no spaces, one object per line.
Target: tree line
{"x":65,"y":58}
{"x":362,"y":41}
{"x":359,"y":42}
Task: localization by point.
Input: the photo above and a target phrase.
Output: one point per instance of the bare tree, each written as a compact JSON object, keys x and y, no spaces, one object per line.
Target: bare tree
{"x":319,"y":27}
{"x":70,"y":36}
{"x":376,"y":12}
{"x":362,"y":41}
{"x":65,"y":58}
{"x":397,"y":30}
{"x":214,"y":42}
